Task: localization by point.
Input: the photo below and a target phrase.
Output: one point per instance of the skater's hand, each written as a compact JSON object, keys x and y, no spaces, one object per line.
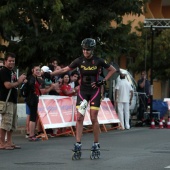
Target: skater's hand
{"x":98,"y":83}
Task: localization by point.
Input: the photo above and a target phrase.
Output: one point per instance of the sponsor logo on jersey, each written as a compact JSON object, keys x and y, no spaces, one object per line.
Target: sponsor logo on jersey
{"x":88,"y":68}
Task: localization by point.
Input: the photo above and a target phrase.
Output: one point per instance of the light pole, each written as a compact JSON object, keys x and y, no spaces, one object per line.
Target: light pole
{"x":151,"y":71}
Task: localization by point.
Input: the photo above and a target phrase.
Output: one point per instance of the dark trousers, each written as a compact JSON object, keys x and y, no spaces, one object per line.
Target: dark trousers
{"x":143,"y":104}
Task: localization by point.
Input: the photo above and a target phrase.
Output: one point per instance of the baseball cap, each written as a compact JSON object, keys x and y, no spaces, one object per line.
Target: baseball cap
{"x":123,"y":72}
{"x":45,"y":69}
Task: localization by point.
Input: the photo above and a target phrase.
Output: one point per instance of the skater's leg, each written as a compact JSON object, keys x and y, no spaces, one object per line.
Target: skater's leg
{"x":79,"y":127}
{"x":95,"y":124}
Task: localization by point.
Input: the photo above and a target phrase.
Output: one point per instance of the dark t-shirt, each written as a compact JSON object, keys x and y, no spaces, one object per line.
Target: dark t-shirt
{"x":7,"y":75}
{"x":145,"y":89}
{"x":89,"y":70}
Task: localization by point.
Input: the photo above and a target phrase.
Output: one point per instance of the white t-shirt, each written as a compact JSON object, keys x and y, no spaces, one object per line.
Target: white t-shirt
{"x":123,"y":90}
{"x":72,"y":84}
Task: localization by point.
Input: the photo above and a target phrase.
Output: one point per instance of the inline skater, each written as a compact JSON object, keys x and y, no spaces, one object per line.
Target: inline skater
{"x":89,"y":92}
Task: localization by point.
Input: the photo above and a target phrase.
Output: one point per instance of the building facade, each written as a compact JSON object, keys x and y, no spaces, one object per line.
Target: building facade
{"x":155,"y":9}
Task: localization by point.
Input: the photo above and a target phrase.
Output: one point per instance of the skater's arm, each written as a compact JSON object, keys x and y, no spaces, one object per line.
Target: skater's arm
{"x":60,"y":71}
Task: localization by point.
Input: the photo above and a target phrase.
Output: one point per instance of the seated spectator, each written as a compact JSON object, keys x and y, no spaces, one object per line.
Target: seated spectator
{"x":74,"y":76}
{"x":53,"y":65}
{"x":66,"y":89}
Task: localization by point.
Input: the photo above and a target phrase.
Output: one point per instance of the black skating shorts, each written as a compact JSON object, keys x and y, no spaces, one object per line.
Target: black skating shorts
{"x":93,"y":96}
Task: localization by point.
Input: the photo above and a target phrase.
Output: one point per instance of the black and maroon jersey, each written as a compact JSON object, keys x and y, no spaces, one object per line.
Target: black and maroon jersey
{"x":89,"y":69}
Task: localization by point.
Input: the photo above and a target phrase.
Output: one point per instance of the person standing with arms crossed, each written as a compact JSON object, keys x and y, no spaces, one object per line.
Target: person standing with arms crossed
{"x":88,"y":92}
{"x":8,"y":80}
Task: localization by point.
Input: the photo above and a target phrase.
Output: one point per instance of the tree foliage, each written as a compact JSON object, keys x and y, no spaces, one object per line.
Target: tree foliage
{"x":55,"y":28}
{"x":140,"y":50}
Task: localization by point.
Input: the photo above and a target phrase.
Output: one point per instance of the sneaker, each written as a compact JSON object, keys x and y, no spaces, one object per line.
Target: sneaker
{"x":27,"y":136}
{"x":82,"y":107}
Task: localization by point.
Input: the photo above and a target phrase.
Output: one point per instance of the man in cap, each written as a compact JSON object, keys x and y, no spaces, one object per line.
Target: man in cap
{"x":123,"y":98}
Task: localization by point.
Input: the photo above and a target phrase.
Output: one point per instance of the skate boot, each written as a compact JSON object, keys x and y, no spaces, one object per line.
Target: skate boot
{"x":95,"y":151}
{"x":76,"y":151}
{"x":83,"y":106}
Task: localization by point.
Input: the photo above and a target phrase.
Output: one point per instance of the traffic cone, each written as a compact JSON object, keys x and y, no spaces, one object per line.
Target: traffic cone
{"x":168,"y":123}
{"x":152,"y":124}
{"x":161,"y":124}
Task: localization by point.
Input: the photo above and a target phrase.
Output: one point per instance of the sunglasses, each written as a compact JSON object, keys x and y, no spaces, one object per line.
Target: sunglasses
{"x":86,"y":49}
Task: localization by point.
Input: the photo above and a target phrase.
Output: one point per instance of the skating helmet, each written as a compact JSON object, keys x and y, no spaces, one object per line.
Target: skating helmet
{"x":88,"y":43}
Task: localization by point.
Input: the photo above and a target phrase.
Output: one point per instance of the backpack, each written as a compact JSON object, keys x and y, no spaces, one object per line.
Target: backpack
{"x":24,"y":90}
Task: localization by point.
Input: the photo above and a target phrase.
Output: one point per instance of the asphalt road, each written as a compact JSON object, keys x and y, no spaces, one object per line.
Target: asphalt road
{"x":136,"y":149}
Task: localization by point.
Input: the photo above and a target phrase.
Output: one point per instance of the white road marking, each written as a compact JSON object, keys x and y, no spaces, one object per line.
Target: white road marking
{"x":167,"y":167}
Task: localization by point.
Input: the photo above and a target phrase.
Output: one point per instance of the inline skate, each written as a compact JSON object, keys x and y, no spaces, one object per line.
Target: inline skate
{"x":95,"y":151}
{"x":76,"y":151}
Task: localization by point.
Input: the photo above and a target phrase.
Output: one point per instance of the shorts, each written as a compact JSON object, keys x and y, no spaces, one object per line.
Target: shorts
{"x":9,"y":119}
{"x":27,"y":109}
{"x":33,"y":112}
{"x":93,"y":96}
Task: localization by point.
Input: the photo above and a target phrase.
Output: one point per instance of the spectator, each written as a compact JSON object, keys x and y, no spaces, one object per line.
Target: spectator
{"x":144,"y":92}
{"x":8,"y":80}
{"x":53,"y":65}
{"x":66,"y":89}
{"x":1,"y":66}
{"x":47,"y":81}
{"x":33,"y":97}
{"x":123,"y":97}
{"x":74,"y":76}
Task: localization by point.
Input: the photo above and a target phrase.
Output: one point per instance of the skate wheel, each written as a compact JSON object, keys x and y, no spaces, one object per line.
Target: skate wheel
{"x":73,"y":156}
{"x":92,"y":156}
{"x":76,"y":155}
{"x":98,"y":154}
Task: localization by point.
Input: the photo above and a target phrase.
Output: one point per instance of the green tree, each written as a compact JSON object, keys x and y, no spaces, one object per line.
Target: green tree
{"x":161,"y":55}
{"x":140,"y":50}
{"x":56,"y":28}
